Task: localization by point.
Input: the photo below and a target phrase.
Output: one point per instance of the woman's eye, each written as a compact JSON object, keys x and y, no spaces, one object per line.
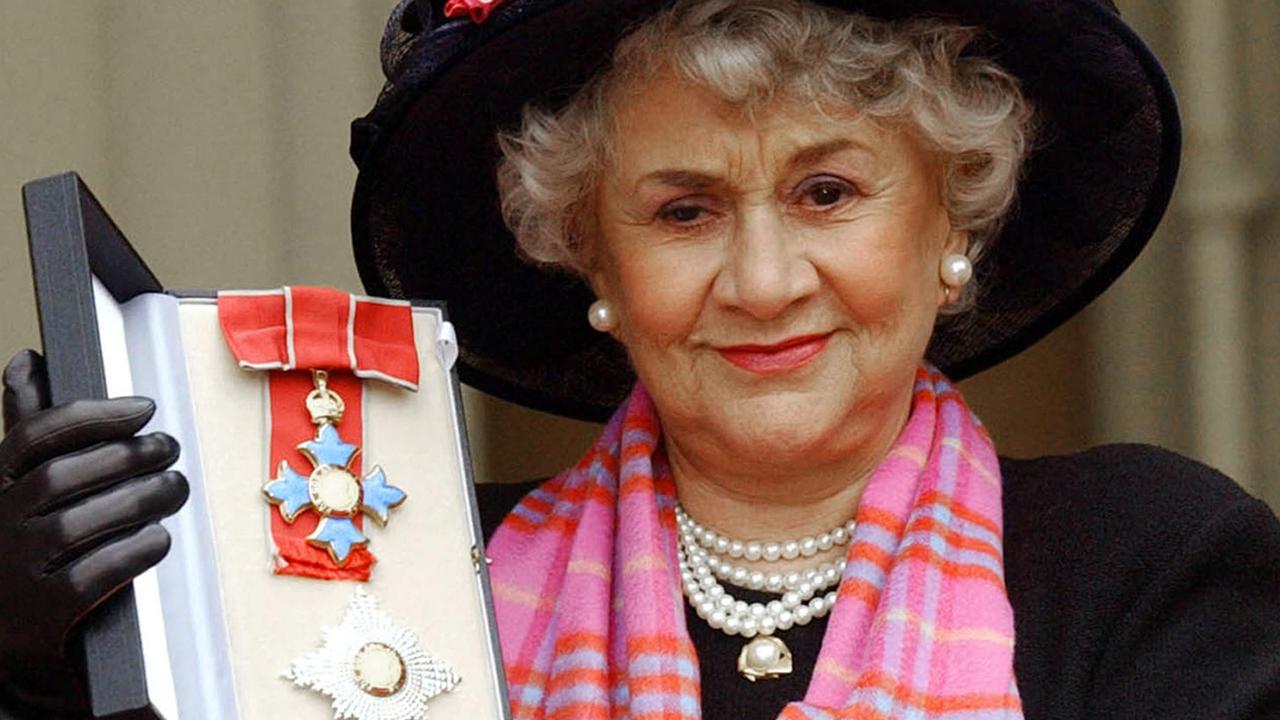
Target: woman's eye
{"x":683,"y":214}
{"x":826,"y":193}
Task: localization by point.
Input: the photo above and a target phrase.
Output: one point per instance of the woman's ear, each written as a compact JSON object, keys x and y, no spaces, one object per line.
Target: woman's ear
{"x":957,"y":243}
{"x":600,"y":284}
{"x":597,"y":269}
{"x":597,"y":281}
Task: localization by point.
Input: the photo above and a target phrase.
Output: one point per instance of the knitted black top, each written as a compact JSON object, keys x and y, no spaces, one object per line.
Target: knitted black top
{"x":1143,"y":584}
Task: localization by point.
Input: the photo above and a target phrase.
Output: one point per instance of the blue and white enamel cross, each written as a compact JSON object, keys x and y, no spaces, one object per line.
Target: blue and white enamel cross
{"x":332,"y":489}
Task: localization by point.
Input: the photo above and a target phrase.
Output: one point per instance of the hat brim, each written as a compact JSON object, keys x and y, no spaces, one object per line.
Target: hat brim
{"x":426,"y":222}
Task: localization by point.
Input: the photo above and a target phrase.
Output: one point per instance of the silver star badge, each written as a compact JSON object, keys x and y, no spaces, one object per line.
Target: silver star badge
{"x":373,"y":668}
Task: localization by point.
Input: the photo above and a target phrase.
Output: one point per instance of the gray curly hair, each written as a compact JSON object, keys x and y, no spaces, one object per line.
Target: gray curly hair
{"x":912,"y":74}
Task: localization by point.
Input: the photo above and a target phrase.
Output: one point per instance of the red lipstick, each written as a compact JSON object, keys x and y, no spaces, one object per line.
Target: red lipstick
{"x":788,"y":355}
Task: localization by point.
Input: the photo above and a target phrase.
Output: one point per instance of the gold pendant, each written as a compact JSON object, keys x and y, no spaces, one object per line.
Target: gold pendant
{"x":764,"y":658}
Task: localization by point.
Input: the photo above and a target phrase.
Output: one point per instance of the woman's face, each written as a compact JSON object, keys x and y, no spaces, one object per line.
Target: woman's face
{"x":777,"y":278}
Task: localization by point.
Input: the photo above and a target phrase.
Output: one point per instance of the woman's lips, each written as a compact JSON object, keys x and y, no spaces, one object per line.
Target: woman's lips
{"x":781,"y":357}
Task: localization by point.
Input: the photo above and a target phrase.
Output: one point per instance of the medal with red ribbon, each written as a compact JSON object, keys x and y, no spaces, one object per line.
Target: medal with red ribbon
{"x":332,"y":489}
{"x":318,"y":346}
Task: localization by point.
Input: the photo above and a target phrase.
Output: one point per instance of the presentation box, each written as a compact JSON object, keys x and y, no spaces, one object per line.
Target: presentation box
{"x":214,"y":632}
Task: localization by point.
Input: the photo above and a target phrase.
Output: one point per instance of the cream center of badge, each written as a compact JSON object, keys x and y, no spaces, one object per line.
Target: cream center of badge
{"x":332,"y":489}
{"x":373,"y":668}
{"x":378,"y":669}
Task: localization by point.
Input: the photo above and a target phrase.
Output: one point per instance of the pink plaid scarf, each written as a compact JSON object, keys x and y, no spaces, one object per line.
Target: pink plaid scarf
{"x":592,"y":619}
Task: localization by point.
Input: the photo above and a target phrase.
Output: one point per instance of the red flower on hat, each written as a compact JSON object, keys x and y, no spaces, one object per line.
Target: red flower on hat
{"x":478,"y":9}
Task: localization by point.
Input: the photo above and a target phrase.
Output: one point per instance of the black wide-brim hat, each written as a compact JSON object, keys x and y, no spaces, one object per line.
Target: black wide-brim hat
{"x":426,"y":217}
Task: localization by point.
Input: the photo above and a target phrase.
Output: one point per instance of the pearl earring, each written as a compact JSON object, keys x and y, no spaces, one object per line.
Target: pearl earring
{"x":601,"y":316}
{"x":956,"y":270}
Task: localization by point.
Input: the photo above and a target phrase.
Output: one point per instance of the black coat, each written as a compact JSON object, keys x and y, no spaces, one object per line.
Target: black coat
{"x":1143,"y":585}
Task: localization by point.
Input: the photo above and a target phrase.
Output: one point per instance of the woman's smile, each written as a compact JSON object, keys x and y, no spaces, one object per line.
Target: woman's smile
{"x":777,"y":358}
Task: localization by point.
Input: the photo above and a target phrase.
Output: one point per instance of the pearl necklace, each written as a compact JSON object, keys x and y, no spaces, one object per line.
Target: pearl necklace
{"x":808,"y":546}
{"x":806,"y":595}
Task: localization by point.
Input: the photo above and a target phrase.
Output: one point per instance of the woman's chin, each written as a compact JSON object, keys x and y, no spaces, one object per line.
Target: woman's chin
{"x":795,"y":427}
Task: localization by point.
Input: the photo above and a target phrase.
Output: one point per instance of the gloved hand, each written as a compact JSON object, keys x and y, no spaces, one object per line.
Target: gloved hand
{"x":80,"y":497}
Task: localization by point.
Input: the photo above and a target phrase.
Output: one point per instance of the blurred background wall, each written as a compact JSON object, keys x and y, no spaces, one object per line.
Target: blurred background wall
{"x":216,"y":135}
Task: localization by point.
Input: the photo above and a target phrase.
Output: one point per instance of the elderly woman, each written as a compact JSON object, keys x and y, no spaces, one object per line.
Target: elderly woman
{"x":795,"y":219}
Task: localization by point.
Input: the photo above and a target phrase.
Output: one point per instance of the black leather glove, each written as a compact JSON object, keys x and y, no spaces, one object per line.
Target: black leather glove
{"x":80,"y":497}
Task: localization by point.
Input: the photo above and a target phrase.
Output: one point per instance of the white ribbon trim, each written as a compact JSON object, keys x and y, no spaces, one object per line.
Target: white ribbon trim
{"x":288,"y":328}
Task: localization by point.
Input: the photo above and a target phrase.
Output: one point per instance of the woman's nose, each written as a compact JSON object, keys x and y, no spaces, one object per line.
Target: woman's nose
{"x":765,"y":270}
